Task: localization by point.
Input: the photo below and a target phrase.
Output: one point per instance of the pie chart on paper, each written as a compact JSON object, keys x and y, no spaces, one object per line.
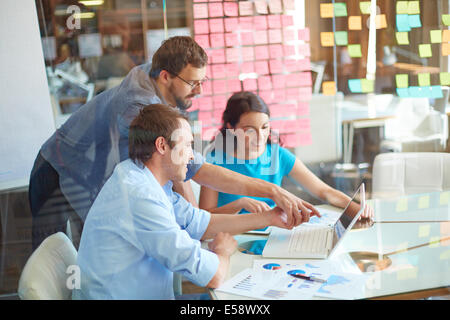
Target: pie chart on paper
{"x":296,"y":271}
{"x":272,"y":266}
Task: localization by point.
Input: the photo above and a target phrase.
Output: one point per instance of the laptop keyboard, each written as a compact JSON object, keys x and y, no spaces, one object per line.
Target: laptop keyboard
{"x":311,"y":240}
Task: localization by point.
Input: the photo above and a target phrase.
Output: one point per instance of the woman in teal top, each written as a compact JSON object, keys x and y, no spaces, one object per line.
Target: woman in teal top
{"x":245,"y":145}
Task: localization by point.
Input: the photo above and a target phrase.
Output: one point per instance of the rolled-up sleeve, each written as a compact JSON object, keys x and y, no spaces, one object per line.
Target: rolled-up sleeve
{"x":194,"y":165}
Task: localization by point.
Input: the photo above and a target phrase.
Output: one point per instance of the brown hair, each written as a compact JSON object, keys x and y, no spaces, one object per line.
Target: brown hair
{"x":175,"y":54}
{"x":153,"y":121}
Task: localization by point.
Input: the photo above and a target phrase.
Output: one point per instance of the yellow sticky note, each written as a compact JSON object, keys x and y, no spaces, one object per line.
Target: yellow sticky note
{"x":365,"y":7}
{"x":409,"y":272}
{"x":425,"y":50}
{"x":402,"y":7}
{"x":413,"y":7}
{"x":436,"y":36}
{"x":446,"y":19}
{"x":402,"y":205}
{"x":446,"y":35}
{"x":424,"y":79}
{"x":401,"y":80}
{"x":354,"y":23}
{"x":354,"y":50}
{"x":444,"y":78}
{"x":424,"y":202}
{"x":402,"y":38}
{"x":327,"y":39}
{"x":434,"y":242}
{"x":444,"y":197}
{"x":444,"y":255}
{"x":380,"y":21}
{"x":424,"y":231}
{"x":326,"y":10}
{"x":445,"y":49}
{"x":329,"y":88}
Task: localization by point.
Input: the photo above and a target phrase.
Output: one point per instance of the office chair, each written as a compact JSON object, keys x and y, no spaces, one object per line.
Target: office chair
{"x":44,"y":276}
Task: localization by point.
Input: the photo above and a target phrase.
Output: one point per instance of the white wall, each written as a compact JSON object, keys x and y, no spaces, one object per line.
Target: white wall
{"x":26,"y":118}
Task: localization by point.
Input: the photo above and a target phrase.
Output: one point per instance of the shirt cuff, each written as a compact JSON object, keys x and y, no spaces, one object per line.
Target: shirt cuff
{"x":197,"y":230}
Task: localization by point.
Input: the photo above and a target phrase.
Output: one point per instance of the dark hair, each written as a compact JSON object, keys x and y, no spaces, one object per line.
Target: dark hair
{"x":153,"y":121}
{"x":175,"y":54}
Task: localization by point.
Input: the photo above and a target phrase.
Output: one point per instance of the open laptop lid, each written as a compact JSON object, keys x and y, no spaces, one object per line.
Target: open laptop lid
{"x":349,"y":216}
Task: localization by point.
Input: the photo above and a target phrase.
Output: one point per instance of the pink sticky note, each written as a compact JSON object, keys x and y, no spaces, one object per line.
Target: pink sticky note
{"x":275,"y":66}
{"x":246,"y":23}
{"x":201,"y":26}
{"x":195,"y":105}
{"x":260,"y":22}
{"x":260,"y":37}
{"x":302,"y":108}
{"x":261,"y":7}
{"x":231,"y":24}
{"x":202,"y":40}
{"x":205,"y":103}
{"x":287,"y":20}
{"x":264,"y":83}
{"x":282,"y":110}
{"x":208,"y":71}
{"x":215,"y":9}
{"x":206,"y":88}
{"x":304,"y":64}
{"x":219,"y":102}
{"x":217,"y":40}
{"x":279,"y":81}
{"x":261,"y":67}
{"x":234,"y":85}
{"x":289,"y":50}
{"x":230,"y":9}
{"x":274,"y":21}
{"x":217,"y":115}
{"x":232,"y":54}
{"x":278,"y":125}
{"x":232,"y":70}
{"x":275,"y":6}
{"x":219,"y":86}
{"x":217,"y":56}
{"x":248,"y":67}
{"x":247,"y":38}
{"x":304,"y":49}
{"x":275,"y":36}
{"x":303,"y":34}
{"x":200,"y":11}
{"x":245,"y":8}
{"x":250,"y":85}
{"x":208,"y":133}
{"x":204,"y":116}
{"x":305,"y":93}
{"x":266,"y":96}
{"x":293,"y":80}
{"x":305,"y":79}
{"x":292,"y":94}
{"x":289,"y":4}
{"x":275,"y":51}
{"x":279,"y":95}
{"x":288,"y":35}
{"x":248,"y":54}
{"x":218,"y":71}
{"x":216,"y":25}
{"x":231,"y":39}
{"x":291,"y":65}
{"x":262,"y":52}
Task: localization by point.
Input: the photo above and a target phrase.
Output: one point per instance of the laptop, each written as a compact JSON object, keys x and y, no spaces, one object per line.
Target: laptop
{"x":315,"y":242}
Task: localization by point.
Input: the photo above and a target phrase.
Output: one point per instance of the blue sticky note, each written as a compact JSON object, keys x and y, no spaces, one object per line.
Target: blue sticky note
{"x":402,"y":21}
{"x":414,"y":21}
{"x":403,"y":92}
{"x":426,"y":91}
{"x":355,"y":85}
{"x":436,"y":92}
{"x":417,"y":92}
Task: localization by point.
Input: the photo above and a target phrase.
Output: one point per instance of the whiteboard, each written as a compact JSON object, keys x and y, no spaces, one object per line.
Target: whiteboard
{"x":26,"y":119}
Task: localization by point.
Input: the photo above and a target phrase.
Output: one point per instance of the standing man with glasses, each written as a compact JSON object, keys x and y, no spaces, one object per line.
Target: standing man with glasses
{"x":75,"y":162}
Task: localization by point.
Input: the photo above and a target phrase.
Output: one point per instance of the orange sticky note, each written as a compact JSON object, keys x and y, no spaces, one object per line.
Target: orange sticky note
{"x":445,"y":49}
{"x":327,"y":39}
{"x":326,"y":10}
{"x":380,"y":21}
{"x":354,"y":23}
{"x":446,"y":35}
{"x":329,"y":88}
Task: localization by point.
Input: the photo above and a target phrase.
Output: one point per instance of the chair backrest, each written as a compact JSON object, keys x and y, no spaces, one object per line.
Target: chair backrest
{"x":44,"y":276}
{"x":396,"y":174}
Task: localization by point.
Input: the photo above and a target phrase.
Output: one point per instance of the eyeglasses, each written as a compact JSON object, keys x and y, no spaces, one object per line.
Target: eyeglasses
{"x":193,"y":83}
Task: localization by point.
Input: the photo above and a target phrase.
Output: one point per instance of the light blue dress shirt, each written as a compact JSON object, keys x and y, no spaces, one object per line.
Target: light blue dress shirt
{"x":136,"y":235}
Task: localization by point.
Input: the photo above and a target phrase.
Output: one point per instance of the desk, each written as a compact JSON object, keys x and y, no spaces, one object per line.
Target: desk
{"x":420,"y":259}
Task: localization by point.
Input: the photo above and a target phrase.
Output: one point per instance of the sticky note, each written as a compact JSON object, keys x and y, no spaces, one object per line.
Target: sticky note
{"x":304,"y":49}
{"x":261,"y":52}
{"x":202,"y":40}
{"x":200,"y":11}
{"x":219,"y":86}
{"x":436,"y":92}
{"x":402,"y":7}
{"x":275,"y":36}
{"x":341,"y":38}
{"x":250,"y":84}
{"x":380,"y":21}
{"x":329,"y":88}
{"x":340,"y":9}
{"x":278,"y":81}
{"x":275,"y":6}
{"x":231,"y":39}
{"x":413,"y":7}
{"x":354,"y":50}
{"x":287,"y":21}
{"x":444,"y":198}
{"x":260,"y":37}
{"x":401,"y":80}
{"x":217,"y":40}
{"x":231,"y":24}
{"x":445,"y":49}
{"x":409,"y":272}
{"x":354,"y":85}
{"x":248,"y":67}
{"x":367,"y":85}
{"x":248,"y":54}
{"x":216,"y":25}
{"x":434,"y":242}
{"x":402,"y":92}
{"x":260,"y":22}
{"x":436,"y":36}
{"x":245,"y":8}
{"x":354,"y":22}
{"x":364,"y":6}
{"x":275,"y":51}
{"x":218,"y":71}
{"x":264,"y":83}
{"x":402,"y":205}
{"x":425,"y":51}
{"x":414,"y":21}
{"x":215,"y":9}
{"x":326,"y":10}
{"x":289,"y":4}
{"x":327,"y":39}
{"x":274,"y":21}
{"x":424,"y":79}
{"x":424,"y":202}
{"x":304,"y":34}
{"x":424,"y":231}
{"x":247,"y":38}
{"x":402,"y":38}
{"x":230,"y":9}
{"x":402,"y":21}
{"x":444,"y":78}
{"x":289,"y":35}
{"x":275,"y":66}
{"x":232,"y":70}
{"x":444,"y":255}
{"x":261,"y":7}
{"x":261,"y":67}
{"x":446,"y":19}
{"x":246,"y":23}
{"x":446,"y":35}
{"x":201,"y":26}
{"x":232,"y":54}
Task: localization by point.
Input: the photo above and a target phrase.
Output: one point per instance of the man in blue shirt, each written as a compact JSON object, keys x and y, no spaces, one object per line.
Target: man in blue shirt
{"x":75,"y":162}
{"x":139,"y":231}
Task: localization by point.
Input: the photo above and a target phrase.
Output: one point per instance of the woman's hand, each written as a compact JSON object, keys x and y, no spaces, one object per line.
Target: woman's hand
{"x":252,"y":205}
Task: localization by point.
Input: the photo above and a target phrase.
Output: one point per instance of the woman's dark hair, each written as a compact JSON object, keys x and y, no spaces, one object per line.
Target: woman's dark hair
{"x":153,"y":121}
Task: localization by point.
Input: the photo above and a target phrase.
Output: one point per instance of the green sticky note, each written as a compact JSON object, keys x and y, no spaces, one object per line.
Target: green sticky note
{"x":402,"y":205}
{"x":425,"y":50}
{"x":436,"y":36}
{"x":365,"y":7}
{"x":444,"y":197}
{"x":424,"y":202}
{"x":402,"y":7}
{"x":446,"y":19}
{"x":354,"y":50}
{"x":341,"y":38}
{"x":401,"y":80}
{"x":402,"y":38}
{"x":340,"y":9}
{"x":444,"y":77}
{"x":424,"y":231}
{"x":424,"y":79}
{"x":413,"y":7}
{"x":368,"y":86}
